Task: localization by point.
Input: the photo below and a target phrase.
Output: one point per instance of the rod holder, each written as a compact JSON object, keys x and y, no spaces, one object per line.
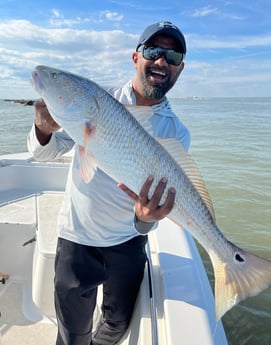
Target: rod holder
{"x":4,"y":278}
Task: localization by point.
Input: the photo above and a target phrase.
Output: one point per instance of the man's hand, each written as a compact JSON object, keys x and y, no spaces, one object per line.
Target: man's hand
{"x":44,"y":123}
{"x":148,"y":210}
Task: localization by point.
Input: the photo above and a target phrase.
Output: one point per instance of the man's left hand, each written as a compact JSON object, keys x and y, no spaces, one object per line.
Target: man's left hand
{"x":148,"y":210}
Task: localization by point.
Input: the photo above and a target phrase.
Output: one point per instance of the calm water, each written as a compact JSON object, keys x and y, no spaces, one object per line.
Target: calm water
{"x":15,"y":122}
{"x":231,"y":144}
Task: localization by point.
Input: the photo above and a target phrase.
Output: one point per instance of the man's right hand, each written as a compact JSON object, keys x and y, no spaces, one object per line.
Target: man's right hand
{"x":44,"y":123}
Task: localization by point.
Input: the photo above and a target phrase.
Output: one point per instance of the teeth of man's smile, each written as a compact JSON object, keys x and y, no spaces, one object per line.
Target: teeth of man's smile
{"x":158,"y":74}
{"x":163,"y":74}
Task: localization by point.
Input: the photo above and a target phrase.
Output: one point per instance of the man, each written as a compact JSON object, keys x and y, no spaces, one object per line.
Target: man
{"x":101,"y":229}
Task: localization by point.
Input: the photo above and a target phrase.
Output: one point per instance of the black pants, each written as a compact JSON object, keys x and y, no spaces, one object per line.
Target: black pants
{"x":79,"y":270}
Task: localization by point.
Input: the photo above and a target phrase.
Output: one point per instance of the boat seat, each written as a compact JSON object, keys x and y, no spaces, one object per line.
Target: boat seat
{"x":48,"y":207}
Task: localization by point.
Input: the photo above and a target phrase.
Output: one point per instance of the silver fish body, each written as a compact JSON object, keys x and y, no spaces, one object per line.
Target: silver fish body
{"x":123,"y":146}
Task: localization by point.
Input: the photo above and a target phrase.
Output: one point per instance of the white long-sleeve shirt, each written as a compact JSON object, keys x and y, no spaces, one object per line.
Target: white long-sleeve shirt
{"x":98,"y":213}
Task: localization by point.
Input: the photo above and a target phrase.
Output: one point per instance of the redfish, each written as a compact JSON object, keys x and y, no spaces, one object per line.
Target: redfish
{"x":120,"y":141}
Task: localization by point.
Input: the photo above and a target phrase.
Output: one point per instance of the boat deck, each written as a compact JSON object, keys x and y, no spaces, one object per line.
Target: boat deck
{"x":15,"y":327}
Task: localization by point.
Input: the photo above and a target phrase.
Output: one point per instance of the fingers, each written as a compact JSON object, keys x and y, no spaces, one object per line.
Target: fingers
{"x":144,"y":192}
{"x":128,"y":191}
{"x":155,"y":200}
{"x":44,"y":123}
{"x":149,"y":210}
{"x":158,"y":210}
{"x":41,"y":110}
{"x":40,"y":103}
{"x":43,"y":119}
{"x":157,"y":194}
{"x":168,"y":205}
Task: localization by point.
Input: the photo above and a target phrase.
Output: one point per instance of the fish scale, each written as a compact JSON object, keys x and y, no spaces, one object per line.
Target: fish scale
{"x":121,"y":142}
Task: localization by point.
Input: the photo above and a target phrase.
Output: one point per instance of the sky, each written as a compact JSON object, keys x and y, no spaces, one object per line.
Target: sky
{"x":228,"y":43}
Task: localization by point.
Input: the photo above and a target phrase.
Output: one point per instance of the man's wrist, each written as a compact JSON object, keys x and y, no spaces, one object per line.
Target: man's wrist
{"x":142,"y":227}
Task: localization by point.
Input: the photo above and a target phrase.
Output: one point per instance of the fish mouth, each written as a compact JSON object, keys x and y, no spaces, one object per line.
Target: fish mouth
{"x":37,"y":83}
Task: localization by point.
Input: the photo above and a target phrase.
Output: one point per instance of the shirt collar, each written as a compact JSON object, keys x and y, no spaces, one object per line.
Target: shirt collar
{"x":162,"y":109}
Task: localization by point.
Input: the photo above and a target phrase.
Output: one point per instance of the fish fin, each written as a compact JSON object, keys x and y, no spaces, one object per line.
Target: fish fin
{"x":175,"y":148}
{"x":244,"y":275}
{"x":184,"y":160}
{"x":87,"y":164}
{"x":142,"y":114}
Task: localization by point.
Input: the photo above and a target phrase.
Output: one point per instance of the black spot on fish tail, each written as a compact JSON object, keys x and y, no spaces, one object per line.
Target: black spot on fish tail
{"x":239,"y":258}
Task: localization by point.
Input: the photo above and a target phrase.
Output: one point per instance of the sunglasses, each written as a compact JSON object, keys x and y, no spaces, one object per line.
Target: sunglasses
{"x":153,"y":53}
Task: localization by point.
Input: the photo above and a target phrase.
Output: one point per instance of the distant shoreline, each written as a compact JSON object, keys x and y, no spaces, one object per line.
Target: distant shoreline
{"x":21,"y":101}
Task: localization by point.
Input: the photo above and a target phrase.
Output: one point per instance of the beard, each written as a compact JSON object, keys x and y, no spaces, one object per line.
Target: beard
{"x":155,"y":91}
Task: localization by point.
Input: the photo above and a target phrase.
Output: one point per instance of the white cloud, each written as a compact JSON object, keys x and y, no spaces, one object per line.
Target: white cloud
{"x":113,"y":16}
{"x":204,"y":11}
{"x":228,"y":78}
{"x":101,"y":55}
{"x":105,"y":56}
{"x":236,"y":42}
{"x":58,"y":20}
{"x":26,"y":34}
{"x":220,"y":13}
{"x":56,"y":13}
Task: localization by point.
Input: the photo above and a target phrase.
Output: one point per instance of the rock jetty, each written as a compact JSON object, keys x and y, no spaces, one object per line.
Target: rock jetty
{"x":21,"y":101}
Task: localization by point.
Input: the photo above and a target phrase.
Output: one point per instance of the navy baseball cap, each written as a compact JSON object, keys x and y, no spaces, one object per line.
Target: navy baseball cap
{"x":163,"y":28}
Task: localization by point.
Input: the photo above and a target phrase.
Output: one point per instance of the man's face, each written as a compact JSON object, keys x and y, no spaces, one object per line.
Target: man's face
{"x":156,"y":77}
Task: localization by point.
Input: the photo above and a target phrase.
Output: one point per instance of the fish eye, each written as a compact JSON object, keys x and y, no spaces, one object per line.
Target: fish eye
{"x":53,"y":75}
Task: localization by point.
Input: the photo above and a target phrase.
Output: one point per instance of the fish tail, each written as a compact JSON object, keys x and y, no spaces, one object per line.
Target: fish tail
{"x":244,"y":275}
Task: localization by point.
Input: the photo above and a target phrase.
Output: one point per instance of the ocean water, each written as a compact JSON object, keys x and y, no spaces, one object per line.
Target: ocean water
{"x":15,"y":123}
{"x":231,"y":144}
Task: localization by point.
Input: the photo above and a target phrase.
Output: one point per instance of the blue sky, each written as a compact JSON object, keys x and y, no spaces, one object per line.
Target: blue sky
{"x":229,"y":42}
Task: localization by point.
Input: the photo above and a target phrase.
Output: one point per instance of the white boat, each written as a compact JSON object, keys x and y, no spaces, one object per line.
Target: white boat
{"x":175,"y":304}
